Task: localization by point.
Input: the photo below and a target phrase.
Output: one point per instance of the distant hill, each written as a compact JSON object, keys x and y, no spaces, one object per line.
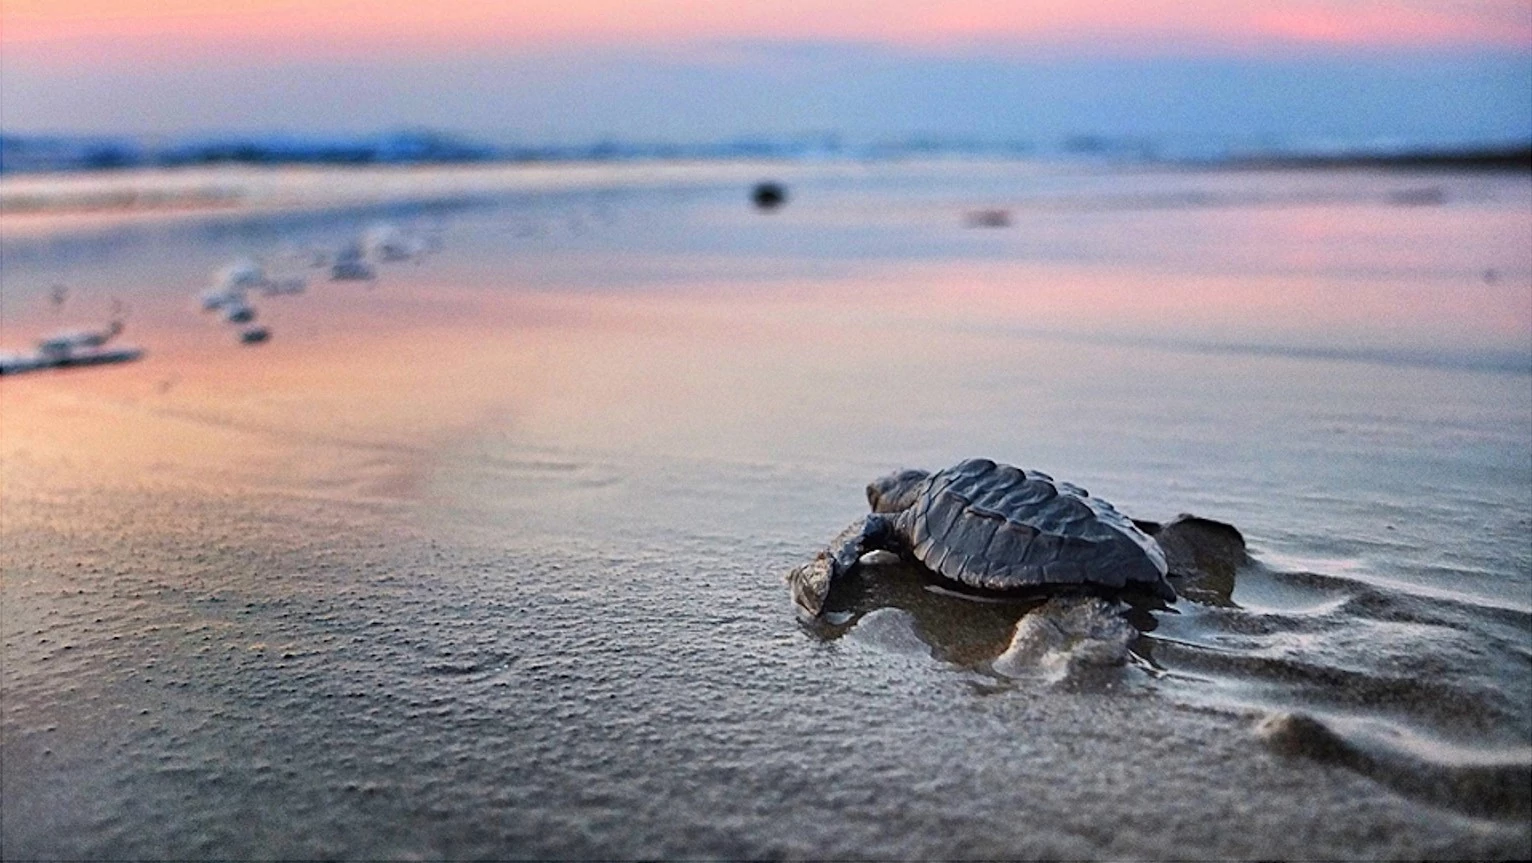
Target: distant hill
{"x":77,"y":153}
{"x":66,"y":153}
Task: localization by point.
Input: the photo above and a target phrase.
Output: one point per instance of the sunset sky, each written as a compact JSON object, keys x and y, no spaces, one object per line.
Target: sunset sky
{"x":683,"y":69}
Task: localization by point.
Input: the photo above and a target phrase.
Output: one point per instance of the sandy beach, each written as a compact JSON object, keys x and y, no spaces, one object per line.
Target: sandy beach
{"x":483,"y":558}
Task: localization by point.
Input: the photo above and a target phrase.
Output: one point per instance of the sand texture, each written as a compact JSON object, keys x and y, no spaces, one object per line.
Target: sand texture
{"x":484,"y":557}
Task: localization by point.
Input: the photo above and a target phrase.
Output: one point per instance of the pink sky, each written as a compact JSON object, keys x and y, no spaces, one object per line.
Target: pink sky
{"x":171,"y":28}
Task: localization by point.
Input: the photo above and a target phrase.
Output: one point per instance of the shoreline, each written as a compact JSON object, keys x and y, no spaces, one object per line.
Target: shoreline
{"x":1487,"y":159}
{"x":45,"y":199}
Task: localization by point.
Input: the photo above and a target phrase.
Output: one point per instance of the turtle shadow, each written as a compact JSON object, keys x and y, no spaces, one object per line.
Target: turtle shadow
{"x":960,"y":626}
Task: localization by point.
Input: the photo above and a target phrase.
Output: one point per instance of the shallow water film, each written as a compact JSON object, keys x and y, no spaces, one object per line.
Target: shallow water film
{"x":483,"y":556}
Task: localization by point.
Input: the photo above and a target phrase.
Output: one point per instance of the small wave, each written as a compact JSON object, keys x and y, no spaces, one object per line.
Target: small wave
{"x":1423,"y":692}
{"x":573,"y":472}
{"x":1512,"y":361}
{"x":1495,"y":782}
{"x":1426,"y":694}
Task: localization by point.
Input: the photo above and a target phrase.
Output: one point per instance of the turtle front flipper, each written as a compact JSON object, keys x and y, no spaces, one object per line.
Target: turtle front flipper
{"x":810,"y":582}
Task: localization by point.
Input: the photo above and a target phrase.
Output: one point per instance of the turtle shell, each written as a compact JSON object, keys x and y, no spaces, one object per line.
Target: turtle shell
{"x":999,"y":527}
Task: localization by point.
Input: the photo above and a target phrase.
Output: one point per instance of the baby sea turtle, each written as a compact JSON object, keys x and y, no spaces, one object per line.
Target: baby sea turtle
{"x":998,"y":528}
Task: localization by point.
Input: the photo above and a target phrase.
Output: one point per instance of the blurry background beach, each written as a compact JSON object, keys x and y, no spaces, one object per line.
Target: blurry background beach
{"x":480,"y":411}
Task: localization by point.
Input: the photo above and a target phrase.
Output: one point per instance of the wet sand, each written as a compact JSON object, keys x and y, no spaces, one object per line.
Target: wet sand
{"x":485,"y":559}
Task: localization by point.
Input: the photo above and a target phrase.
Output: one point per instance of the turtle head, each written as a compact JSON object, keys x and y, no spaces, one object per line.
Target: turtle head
{"x":895,"y":492}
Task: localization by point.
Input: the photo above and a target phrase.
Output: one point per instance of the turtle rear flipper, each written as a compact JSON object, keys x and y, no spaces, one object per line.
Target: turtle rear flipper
{"x":1201,"y":547}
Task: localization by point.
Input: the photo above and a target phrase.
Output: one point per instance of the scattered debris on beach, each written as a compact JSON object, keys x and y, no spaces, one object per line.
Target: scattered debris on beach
{"x":254,"y":335}
{"x":229,"y":295}
{"x":232,"y":283}
{"x":1425,"y":196}
{"x":68,"y":348}
{"x":768,"y":195}
{"x":381,"y":243}
{"x":239,"y":312}
{"x":988,"y":218}
{"x":385,"y":242}
{"x":351,"y":265}
{"x":356,"y":260}
{"x":70,"y":341}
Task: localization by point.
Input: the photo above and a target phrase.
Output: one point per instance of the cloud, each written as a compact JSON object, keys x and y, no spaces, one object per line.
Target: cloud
{"x":79,"y":30}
